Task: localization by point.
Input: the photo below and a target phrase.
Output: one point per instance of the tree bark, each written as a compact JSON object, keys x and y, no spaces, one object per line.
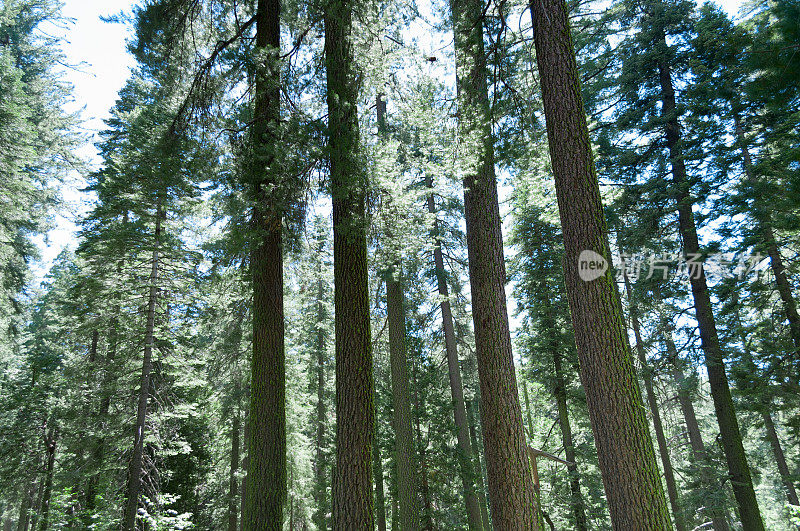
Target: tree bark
{"x":135,"y":466}
{"x":355,"y":390}
{"x":466,"y":466}
{"x":625,"y":450}
{"x":398,"y":363}
{"x":404,"y":435}
{"x":652,"y":401}
{"x":511,"y":492}
{"x":266,"y":493}
{"x":715,"y":360}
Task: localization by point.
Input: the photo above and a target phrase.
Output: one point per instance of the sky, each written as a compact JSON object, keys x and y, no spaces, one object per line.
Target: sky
{"x":98,"y":66}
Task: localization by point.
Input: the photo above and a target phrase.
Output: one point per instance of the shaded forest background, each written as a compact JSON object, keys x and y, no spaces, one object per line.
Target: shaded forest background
{"x":277,"y":270}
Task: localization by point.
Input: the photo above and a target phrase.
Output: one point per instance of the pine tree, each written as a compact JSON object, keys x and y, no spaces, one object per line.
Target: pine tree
{"x":630,"y":474}
{"x":511,"y":491}
{"x":352,"y":484}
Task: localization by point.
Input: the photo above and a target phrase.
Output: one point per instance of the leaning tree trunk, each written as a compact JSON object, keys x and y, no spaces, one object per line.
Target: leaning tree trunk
{"x":652,"y":401}
{"x":466,"y":466}
{"x":355,"y":410}
{"x":511,"y":491}
{"x":715,"y":360}
{"x":625,"y":450}
{"x":266,"y":490}
{"x":717,"y":514}
{"x":135,"y":466}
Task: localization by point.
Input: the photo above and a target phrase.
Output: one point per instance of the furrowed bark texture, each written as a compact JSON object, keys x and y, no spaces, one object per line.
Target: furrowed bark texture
{"x":466,"y":466}
{"x":403,"y":432}
{"x":355,"y":390}
{"x":135,"y":465}
{"x":715,"y":360}
{"x":266,"y":474}
{"x":511,"y":491}
{"x":625,"y":451}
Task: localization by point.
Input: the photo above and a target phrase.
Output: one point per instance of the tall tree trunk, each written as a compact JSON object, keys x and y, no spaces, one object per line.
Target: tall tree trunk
{"x":403,"y":433}
{"x":780,"y":457}
{"x":481,"y":487}
{"x":320,"y":476}
{"x":764,"y":220}
{"x":652,"y":401}
{"x":107,"y":391}
{"x":466,"y":466}
{"x":355,"y":388}
{"x":715,"y":361}
{"x":233,"y":486}
{"x":511,"y":491}
{"x":135,"y":466}
{"x":50,"y":447}
{"x":625,"y":450}
{"x":266,"y":494}
{"x":398,"y":363}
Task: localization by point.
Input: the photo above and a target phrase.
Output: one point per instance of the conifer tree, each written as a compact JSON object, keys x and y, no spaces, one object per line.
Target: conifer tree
{"x":630,"y":474}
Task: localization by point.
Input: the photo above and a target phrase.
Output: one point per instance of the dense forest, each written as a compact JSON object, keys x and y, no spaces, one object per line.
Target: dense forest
{"x":359,"y":264}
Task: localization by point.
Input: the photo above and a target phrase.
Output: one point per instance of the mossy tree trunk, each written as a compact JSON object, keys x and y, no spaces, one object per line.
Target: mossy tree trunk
{"x":625,"y":451}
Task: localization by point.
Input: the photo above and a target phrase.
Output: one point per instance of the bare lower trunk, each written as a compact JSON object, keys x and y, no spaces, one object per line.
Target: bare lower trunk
{"x":266,"y":474}
{"x":630,"y":473}
{"x":135,"y":466}
{"x":380,"y":495}
{"x":511,"y":489}
{"x":715,"y":360}
{"x":353,"y":505}
{"x":466,"y":467}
